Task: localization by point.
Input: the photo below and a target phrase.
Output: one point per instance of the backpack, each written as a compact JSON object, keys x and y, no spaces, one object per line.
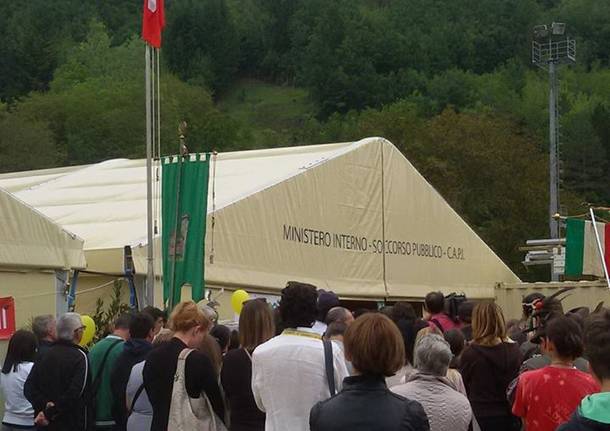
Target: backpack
{"x":452,"y":304}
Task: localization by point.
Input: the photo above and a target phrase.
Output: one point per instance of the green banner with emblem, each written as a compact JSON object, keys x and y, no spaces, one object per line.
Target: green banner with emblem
{"x":184,"y":201}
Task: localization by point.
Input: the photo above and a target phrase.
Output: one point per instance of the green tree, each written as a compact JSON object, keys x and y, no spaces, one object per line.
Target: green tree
{"x":95,"y":108}
{"x":201,"y":43}
{"x":25,"y":144}
{"x":34,"y":36}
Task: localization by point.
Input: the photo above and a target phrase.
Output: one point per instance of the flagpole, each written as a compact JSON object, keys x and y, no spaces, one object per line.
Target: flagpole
{"x":599,"y":246}
{"x":150,"y":273}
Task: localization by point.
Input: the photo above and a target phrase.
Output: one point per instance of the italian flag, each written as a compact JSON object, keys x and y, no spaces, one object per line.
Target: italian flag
{"x":582,"y":253}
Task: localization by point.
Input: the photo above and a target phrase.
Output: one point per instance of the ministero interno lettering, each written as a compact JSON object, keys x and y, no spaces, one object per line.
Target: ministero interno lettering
{"x":320,"y":238}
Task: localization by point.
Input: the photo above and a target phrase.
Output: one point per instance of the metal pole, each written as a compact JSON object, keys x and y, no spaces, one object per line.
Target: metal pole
{"x":553,"y":160}
{"x":553,"y":153}
{"x":599,"y":246}
{"x":150,"y":274}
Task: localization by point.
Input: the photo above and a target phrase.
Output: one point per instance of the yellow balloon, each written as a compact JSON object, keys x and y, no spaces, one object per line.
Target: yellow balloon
{"x":89,"y":331}
{"x":237,"y":300}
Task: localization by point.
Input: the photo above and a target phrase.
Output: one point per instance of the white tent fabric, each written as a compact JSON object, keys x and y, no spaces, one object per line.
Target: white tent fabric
{"x":29,"y":239}
{"x":354,"y":217}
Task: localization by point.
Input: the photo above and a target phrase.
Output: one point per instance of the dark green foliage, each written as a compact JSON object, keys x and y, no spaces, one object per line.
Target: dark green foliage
{"x":201,"y":43}
{"x":450,"y":82}
{"x":95,"y":111}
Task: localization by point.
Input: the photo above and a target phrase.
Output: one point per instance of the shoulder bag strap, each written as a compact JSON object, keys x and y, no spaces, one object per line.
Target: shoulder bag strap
{"x":438,"y":325}
{"x":135,"y":398}
{"x":181,"y":365}
{"x":328,"y":363}
{"x":98,"y":378}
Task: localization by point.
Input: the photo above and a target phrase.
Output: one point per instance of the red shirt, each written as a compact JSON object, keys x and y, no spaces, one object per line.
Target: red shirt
{"x":444,"y":320}
{"x":548,"y":397}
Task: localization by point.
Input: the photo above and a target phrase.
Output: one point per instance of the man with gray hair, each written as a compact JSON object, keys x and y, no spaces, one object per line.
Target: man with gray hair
{"x":58,"y":385}
{"x":44,"y":327}
{"x":446,"y":408}
{"x":339,"y":315}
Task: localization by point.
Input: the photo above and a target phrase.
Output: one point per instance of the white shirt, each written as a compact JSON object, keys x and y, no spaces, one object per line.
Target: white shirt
{"x":289,"y":377}
{"x":17,"y":409}
{"x":319,"y":327}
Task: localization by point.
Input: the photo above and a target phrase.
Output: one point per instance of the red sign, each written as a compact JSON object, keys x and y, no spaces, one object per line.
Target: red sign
{"x":7,"y":318}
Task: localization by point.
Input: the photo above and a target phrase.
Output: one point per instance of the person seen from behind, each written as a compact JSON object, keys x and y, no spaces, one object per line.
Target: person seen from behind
{"x":534,"y":356}
{"x":190,"y":326}
{"x":339,"y":315}
{"x":222,"y":334}
{"x":135,"y":350}
{"x":446,"y":408}
{"x":139,"y":409}
{"x":158,"y":316}
{"x":256,"y":326}
{"x":457,"y":343}
{"x":465,"y":315}
{"x":547,"y":397}
{"x":289,"y":373}
{"x":593,"y":413}
{"x":374,"y":346}
{"x":45,"y":331}
{"x":326,"y":301}
{"x":453,"y":375}
{"x":19,"y":360}
{"x":210,"y":348}
{"x":102,"y":357}
{"x":60,"y":382}
{"x":337,"y":321}
{"x":434,"y":307}
{"x":234,"y":340}
{"x":488,"y":365}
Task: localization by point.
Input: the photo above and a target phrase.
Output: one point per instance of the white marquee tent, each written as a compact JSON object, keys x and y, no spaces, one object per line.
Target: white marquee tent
{"x":36,"y":255}
{"x":355,"y":217}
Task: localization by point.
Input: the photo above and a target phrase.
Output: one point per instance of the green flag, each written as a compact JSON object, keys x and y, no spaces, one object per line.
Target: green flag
{"x":184,"y":200}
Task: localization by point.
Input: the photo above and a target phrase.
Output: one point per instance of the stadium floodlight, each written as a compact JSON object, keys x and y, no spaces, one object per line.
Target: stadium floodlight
{"x":550,"y":50}
{"x":541,"y":31}
{"x":558,"y":28}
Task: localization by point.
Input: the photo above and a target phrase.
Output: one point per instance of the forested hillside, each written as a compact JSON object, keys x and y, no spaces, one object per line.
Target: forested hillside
{"x":450,"y":82}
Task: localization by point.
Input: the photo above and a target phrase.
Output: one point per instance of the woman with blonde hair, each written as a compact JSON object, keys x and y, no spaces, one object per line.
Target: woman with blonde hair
{"x":488,"y":365}
{"x":190,"y":326}
{"x":256,"y":325}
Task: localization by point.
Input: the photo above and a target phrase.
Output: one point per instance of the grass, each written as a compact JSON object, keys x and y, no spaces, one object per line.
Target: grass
{"x":274,"y":114}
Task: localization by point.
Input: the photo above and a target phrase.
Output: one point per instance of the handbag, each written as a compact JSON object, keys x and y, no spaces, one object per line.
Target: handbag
{"x":186,"y":413}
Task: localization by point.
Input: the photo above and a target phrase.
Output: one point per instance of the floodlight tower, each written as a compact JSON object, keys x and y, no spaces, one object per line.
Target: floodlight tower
{"x":551,"y":49}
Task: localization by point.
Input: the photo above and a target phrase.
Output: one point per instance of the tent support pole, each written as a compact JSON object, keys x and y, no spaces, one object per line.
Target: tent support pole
{"x":385,"y":283}
{"x":599,"y":247}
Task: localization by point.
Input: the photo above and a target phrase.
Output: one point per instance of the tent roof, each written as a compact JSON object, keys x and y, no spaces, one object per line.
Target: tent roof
{"x":105,"y":203}
{"x":30,"y":239}
{"x":353,"y":217}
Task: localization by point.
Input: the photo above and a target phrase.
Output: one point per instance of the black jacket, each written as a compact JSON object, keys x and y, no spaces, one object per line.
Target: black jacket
{"x":62,"y":376}
{"x":579,"y":423}
{"x":159,"y":372}
{"x":487,"y":372}
{"x":43,"y":348}
{"x":135,"y":350}
{"x":366,"y":404}
{"x":236,"y":378}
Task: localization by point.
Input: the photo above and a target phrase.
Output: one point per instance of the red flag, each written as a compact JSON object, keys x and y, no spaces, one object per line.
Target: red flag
{"x":153,"y":21}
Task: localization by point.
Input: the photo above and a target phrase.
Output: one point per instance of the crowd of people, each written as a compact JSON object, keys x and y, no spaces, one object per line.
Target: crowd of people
{"x":312,"y":364}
